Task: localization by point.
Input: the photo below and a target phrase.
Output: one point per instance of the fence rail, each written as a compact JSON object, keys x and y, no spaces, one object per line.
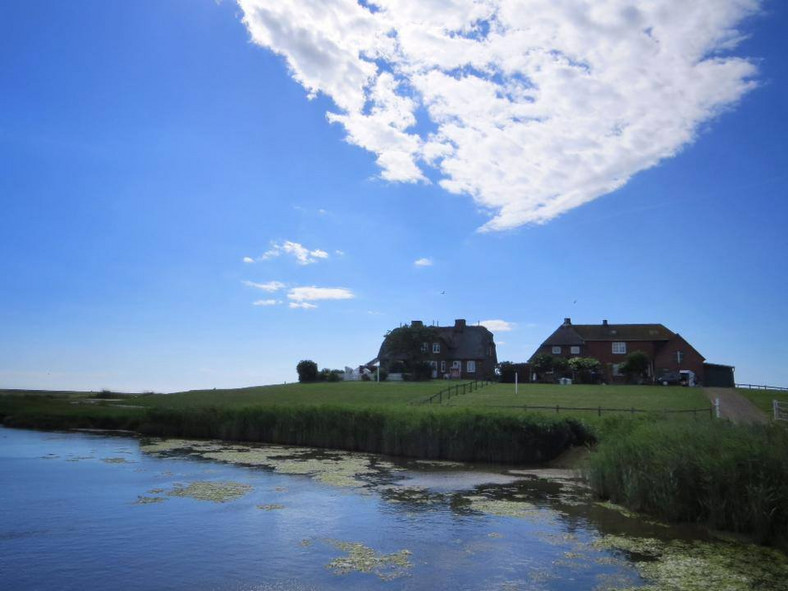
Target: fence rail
{"x":455,"y":390}
{"x":600,"y":409}
{"x":780,"y":410}
{"x":758,"y":387}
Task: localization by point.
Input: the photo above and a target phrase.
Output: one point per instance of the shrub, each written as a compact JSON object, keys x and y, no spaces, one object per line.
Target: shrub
{"x":307,"y":371}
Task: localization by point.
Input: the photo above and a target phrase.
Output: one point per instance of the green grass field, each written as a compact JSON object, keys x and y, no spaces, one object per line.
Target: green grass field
{"x":763,"y":398}
{"x":646,"y":398}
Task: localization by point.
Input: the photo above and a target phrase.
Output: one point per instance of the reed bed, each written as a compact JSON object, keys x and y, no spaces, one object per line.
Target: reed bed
{"x":729,"y":477}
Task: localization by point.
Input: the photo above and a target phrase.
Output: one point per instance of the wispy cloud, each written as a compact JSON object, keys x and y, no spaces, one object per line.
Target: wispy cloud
{"x":532,"y":108}
{"x":302,"y":254}
{"x":423,"y":262}
{"x":302,"y":305}
{"x":271,"y":286}
{"x":311,"y":294}
{"x":498,"y":325}
{"x":248,"y":260}
{"x":266,"y":302}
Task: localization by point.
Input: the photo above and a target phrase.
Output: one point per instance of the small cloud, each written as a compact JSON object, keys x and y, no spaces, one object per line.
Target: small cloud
{"x":310,"y":294}
{"x":500,"y":343}
{"x":322,"y":211}
{"x":303,"y":305}
{"x":271,"y":286}
{"x":423,"y":262}
{"x":498,"y":325}
{"x":248,"y":260}
{"x":266,"y":302}
{"x":302,"y":254}
{"x":339,"y":253}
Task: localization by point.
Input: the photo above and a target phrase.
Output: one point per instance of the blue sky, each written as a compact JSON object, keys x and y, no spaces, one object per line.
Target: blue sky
{"x":148,"y":149}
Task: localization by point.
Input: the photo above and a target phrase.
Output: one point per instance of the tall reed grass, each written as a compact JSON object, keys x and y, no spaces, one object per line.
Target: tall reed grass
{"x":729,"y":477}
{"x":451,"y":435}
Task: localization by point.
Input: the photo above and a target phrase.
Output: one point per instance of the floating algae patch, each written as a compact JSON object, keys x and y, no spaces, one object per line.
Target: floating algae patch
{"x":80,"y":458}
{"x":362,"y":559}
{"x":618,"y":509}
{"x":702,"y":565}
{"x":507,"y":508}
{"x":218,"y":492}
{"x":143,"y":500}
{"x":116,"y":461}
{"x":271,"y":507}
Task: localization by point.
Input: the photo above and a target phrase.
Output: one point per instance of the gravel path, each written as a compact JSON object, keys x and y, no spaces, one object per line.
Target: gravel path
{"x":736,"y":407}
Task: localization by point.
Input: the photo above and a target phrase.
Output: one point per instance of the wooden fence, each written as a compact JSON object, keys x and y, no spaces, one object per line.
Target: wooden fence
{"x":455,"y":390}
{"x":600,"y":409}
{"x":780,"y":410}
{"x":757,"y":387}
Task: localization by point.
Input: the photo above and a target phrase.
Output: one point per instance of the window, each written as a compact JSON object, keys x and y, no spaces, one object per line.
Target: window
{"x":619,"y":348}
{"x":471,"y":367}
{"x":679,"y":357}
{"x":556,"y":350}
{"x":436,"y":347}
{"x":616,"y":369}
{"x":575,"y":350}
{"x":424,"y":347}
{"x":456,"y":364}
{"x":443,"y":367}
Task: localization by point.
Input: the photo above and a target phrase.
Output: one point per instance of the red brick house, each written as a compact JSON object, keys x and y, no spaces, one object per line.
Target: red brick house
{"x":667,"y":351}
{"x":458,"y":351}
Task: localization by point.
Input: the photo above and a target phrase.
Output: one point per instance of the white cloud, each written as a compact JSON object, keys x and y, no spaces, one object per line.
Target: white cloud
{"x":266,"y":302}
{"x":302,"y":255}
{"x":303,"y":305}
{"x":531,"y":107}
{"x":423,"y":262}
{"x":498,"y":325}
{"x":248,"y":260}
{"x":271,"y":286}
{"x":311,"y":294}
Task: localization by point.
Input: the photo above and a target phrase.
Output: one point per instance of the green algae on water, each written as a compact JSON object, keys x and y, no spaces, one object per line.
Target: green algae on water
{"x":116,"y":461}
{"x":217,"y":492}
{"x":362,"y":559}
{"x":271,"y":507}
{"x":698,"y":565}
{"x":143,"y":500}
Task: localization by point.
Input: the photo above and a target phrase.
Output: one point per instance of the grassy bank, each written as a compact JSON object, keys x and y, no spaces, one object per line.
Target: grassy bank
{"x":730,"y":477}
{"x":763,"y":398}
{"x":388,"y":428}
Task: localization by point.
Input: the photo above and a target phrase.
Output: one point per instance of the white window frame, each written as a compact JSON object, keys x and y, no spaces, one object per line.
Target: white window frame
{"x":436,"y":347}
{"x":443,"y":366}
{"x":424,"y":347}
{"x":471,"y":366}
{"x":574,"y":350}
{"x":556,"y":350}
{"x":456,"y":364}
{"x":616,"y":369}
{"x":619,"y":348}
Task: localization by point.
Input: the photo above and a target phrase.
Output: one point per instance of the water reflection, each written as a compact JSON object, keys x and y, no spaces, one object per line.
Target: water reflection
{"x":89,"y":509}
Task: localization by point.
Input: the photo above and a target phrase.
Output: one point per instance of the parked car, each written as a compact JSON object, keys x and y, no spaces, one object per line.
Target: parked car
{"x":684,"y":377}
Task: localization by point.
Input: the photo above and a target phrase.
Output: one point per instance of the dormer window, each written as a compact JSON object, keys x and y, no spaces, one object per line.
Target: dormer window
{"x":436,"y":347}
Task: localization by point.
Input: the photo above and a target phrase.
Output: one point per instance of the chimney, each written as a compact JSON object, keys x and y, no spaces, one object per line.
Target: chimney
{"x":567,"y":322}
{"x":604,"y":322}
{"x":416,"y":324}
{"x":459,"y":324}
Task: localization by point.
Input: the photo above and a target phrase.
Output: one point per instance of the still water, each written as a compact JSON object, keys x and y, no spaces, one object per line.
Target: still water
{"x":96,"y":511}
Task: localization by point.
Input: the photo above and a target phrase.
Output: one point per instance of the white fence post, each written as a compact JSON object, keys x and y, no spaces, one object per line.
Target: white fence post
{"x":717,"y":407}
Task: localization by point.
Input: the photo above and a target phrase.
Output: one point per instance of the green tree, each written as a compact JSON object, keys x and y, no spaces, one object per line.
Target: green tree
{"x":584,"y":368}
{"x":411,"y":345}
{"x":307,"y":371}
{"x":636,"y":365}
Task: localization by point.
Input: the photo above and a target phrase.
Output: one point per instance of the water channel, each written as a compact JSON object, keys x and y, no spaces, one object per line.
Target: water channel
{"x":97,"y":511}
